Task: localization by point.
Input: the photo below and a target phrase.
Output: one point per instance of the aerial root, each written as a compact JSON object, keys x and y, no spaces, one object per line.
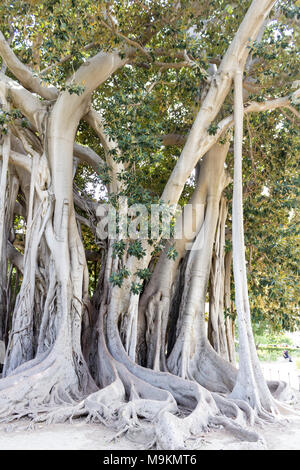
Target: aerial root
{"x":101,"y":406}
{"x":249,"y":414}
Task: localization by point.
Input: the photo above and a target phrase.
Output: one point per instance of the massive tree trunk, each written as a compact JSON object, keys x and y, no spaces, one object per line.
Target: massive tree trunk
{"x":192,"y":355}
{"x":250,"y":384}
{"x":54,"y":251}
{"x":146,"y":357}
{"x":220,"y":326}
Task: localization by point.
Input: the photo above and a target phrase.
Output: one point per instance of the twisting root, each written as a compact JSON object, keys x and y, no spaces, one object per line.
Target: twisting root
{"x":130,"y":405}
{"x":163,"y":410}
{"x":194,"y":411}
{"x":281,"y":391}
{"x":238,"y":431}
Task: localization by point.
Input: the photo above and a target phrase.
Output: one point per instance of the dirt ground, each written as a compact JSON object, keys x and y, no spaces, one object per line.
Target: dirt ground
{"x":283,"y":435}
{"x":82,"y":436}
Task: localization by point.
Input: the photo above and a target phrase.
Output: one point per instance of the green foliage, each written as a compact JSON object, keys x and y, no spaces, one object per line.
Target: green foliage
{"x":264,"y":335}
{"x":172,"y":253}
{"x":135,"y":249}
{"x":9,"y":117}
{"x":119,"y":249}
{"x":212,"y":129}
{"x":117,"y":278}
{"x":145,"y":100}
{"x":73,"y":88}
{"x":144,"y":274}
{"x":136,"y":288}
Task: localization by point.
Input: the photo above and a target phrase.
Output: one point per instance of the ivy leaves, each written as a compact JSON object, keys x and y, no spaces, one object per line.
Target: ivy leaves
{"x":117,"y":278}
{"x":136,"y":250}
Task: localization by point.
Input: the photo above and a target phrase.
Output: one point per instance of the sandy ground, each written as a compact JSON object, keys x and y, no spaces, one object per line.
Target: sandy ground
{"x":283,"y":435}
{"x":81,"y":436}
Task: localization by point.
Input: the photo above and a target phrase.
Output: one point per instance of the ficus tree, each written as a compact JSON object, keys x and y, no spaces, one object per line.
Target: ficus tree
{"x":131,"y":104}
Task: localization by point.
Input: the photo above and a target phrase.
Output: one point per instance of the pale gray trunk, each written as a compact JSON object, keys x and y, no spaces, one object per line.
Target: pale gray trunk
{"x":216,"y":322}
{"x":191,"y":337}
{"x":250,"y":385}
{"x":228,"y":307}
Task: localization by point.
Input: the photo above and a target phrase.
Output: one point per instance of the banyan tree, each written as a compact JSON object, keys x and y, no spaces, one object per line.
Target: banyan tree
{"x":147,"y":100}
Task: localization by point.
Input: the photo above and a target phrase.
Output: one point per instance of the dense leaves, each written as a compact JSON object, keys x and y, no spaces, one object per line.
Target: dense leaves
{"x":176,"y":50}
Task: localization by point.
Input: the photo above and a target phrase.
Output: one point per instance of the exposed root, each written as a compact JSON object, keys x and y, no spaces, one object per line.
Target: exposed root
{"x":207,"y":368}
{"x":132,"y":406}
{"x":201,"y":409}
{"x":163,"y":410}
{"x":51,"y":383}
{"x":129,"y":404}
{"x":281,"y":391}
{"x":238,"y":410}
{"x":237,"y":430}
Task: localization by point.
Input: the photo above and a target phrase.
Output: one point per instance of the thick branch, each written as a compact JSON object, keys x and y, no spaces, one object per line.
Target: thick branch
{"x":3,"y":180}
{"x":228,"y":122}
{"x":66,"y":114}
{"x":87,"y":155}
{"x":65,"y":59}
{"x":197,"y":142}
{"x":29,"y":105}
{"x":254,"y":106}
{"x":24,"y":74}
